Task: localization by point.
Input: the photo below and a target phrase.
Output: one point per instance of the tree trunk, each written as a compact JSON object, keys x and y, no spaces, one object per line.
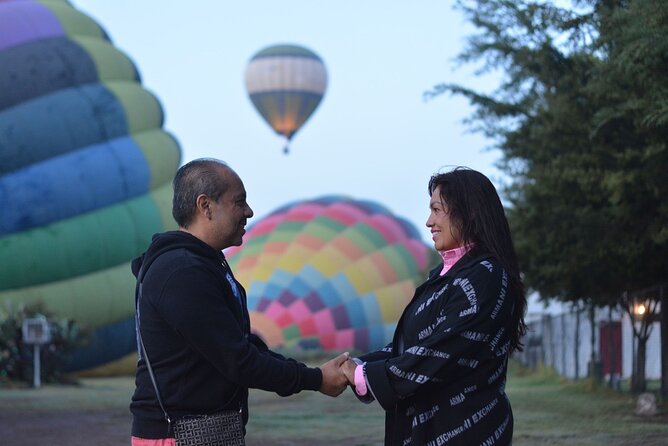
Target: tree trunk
{"x":640,"y":381}
{"x":612,"y":353}
{"x":564,"y":347}
{"x":576,"y":350}
{"x":553,"y":353}
{"x":593,"y":369}
{"x":635,"y":340}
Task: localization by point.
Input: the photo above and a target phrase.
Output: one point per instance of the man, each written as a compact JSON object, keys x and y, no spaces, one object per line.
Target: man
{"x":192,"y":315}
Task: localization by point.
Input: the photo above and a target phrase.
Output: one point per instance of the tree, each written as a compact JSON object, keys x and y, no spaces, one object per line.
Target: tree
{"x":16,"y":357}
{"x":641,"y":307}
{"x":541,"y":117}
{"x":631,"y":86}
{"x":580,"y":118}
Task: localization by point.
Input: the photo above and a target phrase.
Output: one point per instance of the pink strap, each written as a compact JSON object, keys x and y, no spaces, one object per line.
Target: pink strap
{"x":136,"y":441}
{"x":360,"y":381}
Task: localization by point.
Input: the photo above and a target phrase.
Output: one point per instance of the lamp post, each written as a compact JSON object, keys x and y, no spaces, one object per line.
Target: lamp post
{"x":644,"y":313}
{"x":642,"y":306}
{"x":638,"y":313}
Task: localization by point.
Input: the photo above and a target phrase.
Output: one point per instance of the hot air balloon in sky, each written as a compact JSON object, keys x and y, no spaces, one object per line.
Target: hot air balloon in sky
{"x":286,"y":83}
{"x":332,"y":273}
{"x":85,"y":172}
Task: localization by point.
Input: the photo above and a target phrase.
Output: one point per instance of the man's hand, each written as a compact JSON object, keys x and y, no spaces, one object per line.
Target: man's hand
{"x":348,"y":369}
{"x":334,"y":382}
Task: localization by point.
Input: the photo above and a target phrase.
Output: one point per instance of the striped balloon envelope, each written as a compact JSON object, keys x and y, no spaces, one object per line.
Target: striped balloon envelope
{"x":285,"y":84}
{"x":330,"y":274}
{"x":85,"y":172}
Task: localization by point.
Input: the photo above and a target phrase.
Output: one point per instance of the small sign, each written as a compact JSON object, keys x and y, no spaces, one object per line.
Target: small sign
{"x":36,"y":330}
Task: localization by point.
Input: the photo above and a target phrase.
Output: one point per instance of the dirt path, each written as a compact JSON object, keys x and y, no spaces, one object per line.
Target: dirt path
{"x":70,"y":428}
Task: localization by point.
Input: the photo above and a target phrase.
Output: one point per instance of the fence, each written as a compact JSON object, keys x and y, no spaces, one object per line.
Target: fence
{"x":564,"y":342}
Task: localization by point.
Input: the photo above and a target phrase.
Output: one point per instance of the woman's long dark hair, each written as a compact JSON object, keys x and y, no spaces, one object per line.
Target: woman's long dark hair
{"x":475,"y":209}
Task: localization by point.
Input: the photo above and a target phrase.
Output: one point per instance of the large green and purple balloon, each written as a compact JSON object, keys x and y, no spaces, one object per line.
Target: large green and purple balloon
{"x":85,"y":172}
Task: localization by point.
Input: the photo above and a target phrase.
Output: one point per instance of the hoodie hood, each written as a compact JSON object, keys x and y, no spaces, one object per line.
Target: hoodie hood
{"x":169,"y":241}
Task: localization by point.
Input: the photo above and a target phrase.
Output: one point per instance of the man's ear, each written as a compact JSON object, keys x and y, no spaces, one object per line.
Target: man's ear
{"x":204,"y":206}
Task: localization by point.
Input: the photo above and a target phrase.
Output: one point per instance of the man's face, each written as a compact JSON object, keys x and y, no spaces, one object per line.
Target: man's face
{"x":230,"y":213}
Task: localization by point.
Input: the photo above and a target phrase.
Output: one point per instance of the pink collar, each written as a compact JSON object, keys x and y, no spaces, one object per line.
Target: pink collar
{"x":451,"y":256}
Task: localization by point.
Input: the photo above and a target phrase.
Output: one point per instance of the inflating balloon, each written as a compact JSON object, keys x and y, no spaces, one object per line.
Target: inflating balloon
{"x":85,"y":172}
{"x":331,"y":273}
{"x":286,"y":83}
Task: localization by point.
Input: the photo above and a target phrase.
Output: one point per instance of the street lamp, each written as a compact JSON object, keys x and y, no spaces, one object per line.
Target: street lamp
{"x":643,"y":313}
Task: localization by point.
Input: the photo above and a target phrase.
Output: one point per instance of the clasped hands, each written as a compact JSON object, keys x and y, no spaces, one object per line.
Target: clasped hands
{"x":337,"y":374}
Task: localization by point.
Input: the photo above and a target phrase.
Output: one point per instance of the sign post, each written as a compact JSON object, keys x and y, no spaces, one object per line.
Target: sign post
{"x":36,"y":331}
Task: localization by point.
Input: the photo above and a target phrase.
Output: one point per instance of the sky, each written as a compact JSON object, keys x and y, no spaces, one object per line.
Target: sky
{"x":373,"y":137}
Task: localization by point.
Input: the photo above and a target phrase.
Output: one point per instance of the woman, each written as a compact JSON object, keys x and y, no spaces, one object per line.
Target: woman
{"x":442,"y":379}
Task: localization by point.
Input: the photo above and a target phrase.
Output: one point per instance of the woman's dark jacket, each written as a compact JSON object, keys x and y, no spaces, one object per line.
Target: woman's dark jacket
{"x":442,"y":379}
{"x":197,"y":335}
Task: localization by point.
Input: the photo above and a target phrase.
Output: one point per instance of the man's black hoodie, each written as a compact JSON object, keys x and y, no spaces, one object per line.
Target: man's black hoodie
{"x":197,"y":337}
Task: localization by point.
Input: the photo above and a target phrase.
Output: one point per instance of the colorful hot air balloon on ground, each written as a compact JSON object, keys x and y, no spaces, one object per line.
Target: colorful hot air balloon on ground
{"x":331,"y":273}
{"x":85,"y":172}
{"x":286,"y":83}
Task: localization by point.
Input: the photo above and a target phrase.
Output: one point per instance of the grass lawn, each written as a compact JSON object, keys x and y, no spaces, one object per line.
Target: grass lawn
{"x":548,"y":411}
{"x":552,"y":411}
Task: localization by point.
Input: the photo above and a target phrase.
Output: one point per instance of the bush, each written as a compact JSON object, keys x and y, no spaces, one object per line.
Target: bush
{"x":16,"y":357}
